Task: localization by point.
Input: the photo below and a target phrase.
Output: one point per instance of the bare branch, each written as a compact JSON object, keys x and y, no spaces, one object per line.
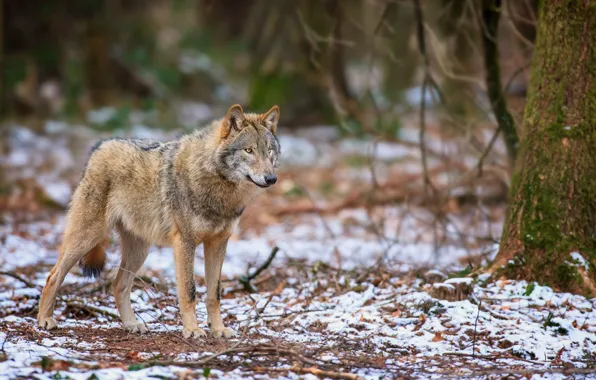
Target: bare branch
{"x":490,"y":22}
{"x":17,"y":276}
{"x":245,"y":280}
{"x":425,"y":82}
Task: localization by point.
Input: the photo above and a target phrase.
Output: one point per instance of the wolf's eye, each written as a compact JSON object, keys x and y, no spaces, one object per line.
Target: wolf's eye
{"x":248,"y":150}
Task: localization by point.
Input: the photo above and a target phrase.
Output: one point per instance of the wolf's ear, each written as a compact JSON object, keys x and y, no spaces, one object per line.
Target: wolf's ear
{"x":271,"y":118}
{"x":233,"y":120}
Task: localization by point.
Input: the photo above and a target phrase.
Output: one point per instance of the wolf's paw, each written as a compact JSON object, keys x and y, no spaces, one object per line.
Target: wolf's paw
{"x":135,"y":327}
{"x":47,"y":323}
{"x":194,"y":333}
{"x":224,"y":332}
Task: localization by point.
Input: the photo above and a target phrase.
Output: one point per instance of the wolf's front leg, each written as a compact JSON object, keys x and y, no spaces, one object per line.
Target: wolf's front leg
{"x":215,"y":252}
{"x":184,"y":257}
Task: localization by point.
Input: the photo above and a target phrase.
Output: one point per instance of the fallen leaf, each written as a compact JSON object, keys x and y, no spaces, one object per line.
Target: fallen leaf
{"x":421,"y":321}
{"x":280,"y":288}
{"x":134,"y":355}
{"x":59,"y":365}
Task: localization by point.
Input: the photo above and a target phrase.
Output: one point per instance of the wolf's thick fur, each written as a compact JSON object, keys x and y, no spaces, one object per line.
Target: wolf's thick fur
{"x":179,"y":193}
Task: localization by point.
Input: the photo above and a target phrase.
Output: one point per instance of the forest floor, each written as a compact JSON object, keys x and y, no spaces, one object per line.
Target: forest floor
{"x":367,"y":253}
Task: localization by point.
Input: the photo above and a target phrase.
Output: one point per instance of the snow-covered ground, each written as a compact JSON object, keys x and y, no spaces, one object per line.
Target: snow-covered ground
{"x":389,"y":322}
{"x":346,"y":293}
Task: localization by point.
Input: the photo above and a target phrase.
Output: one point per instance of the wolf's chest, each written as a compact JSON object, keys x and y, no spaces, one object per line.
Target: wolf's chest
{"x":209,"y":209}
{"x":203,"y":226}
{"x":212,"y":218}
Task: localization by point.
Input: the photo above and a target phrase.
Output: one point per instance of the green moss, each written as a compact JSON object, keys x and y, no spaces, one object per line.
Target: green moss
{"x":359,"y":288}
{"x":136,"y":367}
{"x":513,"y":267}
{"x":548,"y":322}
{"x":388,"y":128}
{"x":327,"y":188}
{"x":462,"y":273}
{"x":561,"y":331}
{"x":516,"y":178}
{"x":530,"y":288}
{"x":295,"y":192}
{"x":567,"y":274}
{"x":548,"y":229}
{"x":541,"y":230}
{"x":523,"y":354}
{"x":357,"y":161}
{"x":558,"y":131}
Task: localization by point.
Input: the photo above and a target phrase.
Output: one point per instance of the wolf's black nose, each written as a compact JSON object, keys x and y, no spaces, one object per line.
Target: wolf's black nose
{"x":270,"y":179}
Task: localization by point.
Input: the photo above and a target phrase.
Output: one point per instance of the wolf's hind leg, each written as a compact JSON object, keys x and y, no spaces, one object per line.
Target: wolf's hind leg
{"x":79,"y":239}
{"x":134,"y":253}
{"x":215,"y":252}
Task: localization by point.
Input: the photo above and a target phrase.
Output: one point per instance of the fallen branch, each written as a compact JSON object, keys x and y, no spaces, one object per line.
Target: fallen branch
{"x":312,"y":370}
{"x":91,"y":309}
{"x":148,"y":281}
{"x":245,"y":280}
{"x":139,"y":281}
{"x":476,"y":325}
{"x":17,"y":276}
{"x":493,"y":357}
{"x":236,"y":350}
{"x":103,"y":287}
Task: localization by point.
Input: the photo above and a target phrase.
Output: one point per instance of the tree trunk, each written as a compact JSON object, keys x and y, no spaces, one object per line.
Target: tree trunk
{"x":98,"y":68}
{"x":550,"y":231}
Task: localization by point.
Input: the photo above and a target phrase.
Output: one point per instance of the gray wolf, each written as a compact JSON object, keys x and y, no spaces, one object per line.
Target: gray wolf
{"x":178,"y":193}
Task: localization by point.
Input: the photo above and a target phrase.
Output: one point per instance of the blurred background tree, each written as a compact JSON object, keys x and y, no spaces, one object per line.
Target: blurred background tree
{"x":355,"y":62}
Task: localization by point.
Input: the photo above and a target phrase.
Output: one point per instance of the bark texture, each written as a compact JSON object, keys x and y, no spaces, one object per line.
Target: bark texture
{"x":550,"y":231}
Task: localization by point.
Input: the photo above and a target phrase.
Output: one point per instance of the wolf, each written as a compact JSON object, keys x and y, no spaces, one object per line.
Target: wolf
{"x":178,"y":193}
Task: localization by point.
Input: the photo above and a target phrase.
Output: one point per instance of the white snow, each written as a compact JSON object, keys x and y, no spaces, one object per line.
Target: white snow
{"x":389,"y":318}
{"x":579,"y":259}
{"x":459,"y":280}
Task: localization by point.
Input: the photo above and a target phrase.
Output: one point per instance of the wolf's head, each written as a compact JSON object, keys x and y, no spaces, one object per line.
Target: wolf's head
{"x":248,"y":149}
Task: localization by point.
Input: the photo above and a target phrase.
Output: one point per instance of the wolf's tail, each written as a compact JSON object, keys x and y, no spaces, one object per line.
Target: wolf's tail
{"x":94,"y":261}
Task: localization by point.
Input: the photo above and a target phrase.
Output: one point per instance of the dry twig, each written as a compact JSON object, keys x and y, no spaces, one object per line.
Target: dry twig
{"x":91,"y":309}
{"x":245,"y":280}
{"x":17,"y":276}
{"x":236,"y":349}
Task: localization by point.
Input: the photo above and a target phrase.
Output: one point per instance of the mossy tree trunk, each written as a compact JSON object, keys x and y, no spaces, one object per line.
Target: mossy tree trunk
{"x":551,"y":221}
